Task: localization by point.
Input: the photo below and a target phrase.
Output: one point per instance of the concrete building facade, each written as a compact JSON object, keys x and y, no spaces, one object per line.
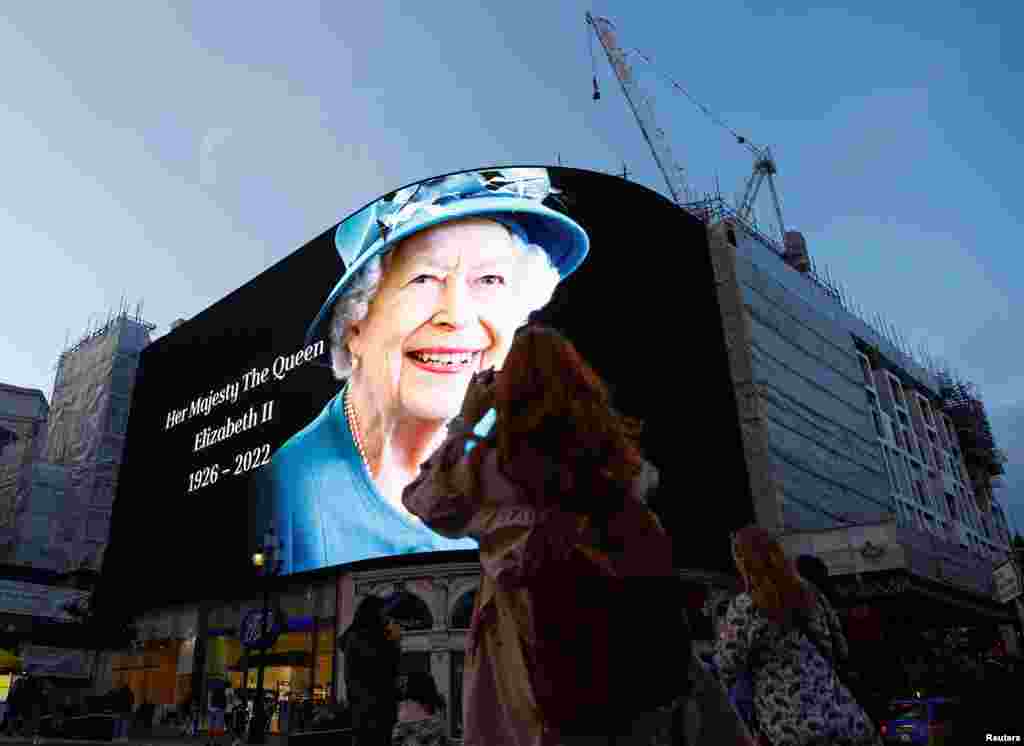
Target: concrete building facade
{"x":857,"y":453}
{"x":23,"y":416}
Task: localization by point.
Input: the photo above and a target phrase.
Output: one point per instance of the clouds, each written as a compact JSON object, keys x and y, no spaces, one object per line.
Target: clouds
{"x":226,"y":135}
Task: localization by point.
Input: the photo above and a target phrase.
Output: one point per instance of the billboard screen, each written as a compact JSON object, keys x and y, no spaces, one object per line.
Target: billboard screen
{"x":305,"y":400}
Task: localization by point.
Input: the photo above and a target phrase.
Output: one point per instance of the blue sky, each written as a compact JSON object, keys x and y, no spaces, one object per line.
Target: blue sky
{"x":171,"y":153}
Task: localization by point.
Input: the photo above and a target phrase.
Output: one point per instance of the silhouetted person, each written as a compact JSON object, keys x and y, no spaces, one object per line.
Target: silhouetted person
{"x":372,"y":650}
{"x":549,"y":478}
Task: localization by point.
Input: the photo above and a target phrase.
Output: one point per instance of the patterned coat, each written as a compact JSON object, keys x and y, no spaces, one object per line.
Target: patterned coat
{"x":798,"y":699}
{"x":429,"y":731}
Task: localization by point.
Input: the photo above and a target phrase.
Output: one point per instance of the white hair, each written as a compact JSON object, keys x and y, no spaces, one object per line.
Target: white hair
{"x":540,"y":278}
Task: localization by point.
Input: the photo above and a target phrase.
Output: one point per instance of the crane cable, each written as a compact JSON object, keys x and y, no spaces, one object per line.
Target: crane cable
{"x":707,"y":112}
{"x":593,"y":64}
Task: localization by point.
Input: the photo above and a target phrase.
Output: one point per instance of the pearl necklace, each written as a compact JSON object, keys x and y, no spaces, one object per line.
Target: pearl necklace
{"x":353,"y":423}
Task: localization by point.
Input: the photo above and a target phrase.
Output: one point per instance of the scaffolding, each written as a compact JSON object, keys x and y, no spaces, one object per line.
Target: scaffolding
{"x":961,"y":401}
{"x":84,"y":442}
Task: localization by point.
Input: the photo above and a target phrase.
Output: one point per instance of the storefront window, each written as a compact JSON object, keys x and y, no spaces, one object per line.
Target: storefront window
{"x":151,"y":673}
{"x":323,"y":682}
{"x":293,"y":669}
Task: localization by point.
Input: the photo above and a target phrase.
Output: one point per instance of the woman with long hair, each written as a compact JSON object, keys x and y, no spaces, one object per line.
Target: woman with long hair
{"x":787,"y":636}
{"x":549,"y":478}
{"x":371,"y":651}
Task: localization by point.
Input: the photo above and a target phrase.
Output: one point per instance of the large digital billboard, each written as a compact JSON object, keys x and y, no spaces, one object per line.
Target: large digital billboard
{"x":307,"y":399}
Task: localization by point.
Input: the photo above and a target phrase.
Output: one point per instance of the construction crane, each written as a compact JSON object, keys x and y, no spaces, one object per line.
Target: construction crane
{"x":643,"y":109}
{"x":764,"y":170}
{"x":764,"y":163}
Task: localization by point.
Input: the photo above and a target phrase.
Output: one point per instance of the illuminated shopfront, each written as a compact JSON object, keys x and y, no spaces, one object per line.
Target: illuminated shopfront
{"x":150,"y":671}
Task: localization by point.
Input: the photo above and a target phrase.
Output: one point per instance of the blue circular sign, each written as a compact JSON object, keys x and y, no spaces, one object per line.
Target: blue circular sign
{"x":251,"y":632}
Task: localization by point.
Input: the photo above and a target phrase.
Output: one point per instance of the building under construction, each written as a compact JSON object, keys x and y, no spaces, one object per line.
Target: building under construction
{"x":59,"y":493}
{"x":862,"y":454}
{"x":859,"y":451}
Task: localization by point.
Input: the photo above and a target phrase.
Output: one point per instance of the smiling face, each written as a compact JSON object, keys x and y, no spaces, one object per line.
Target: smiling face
{"x":448,"y":306}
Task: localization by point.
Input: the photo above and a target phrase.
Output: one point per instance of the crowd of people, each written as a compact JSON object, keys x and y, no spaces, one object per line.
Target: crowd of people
{"x":555,"y":495}
{"x":26,"y":703}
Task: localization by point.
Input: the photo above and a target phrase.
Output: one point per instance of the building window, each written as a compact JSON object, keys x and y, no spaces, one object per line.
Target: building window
{"x":879,"y":428}
{"x":951,"y":505}
{"x":950,"y":433}
{"x":893,"y":487}
{"x":886,"y":426}
{"x":865,"y":368}
{"x":897,"y":392}
{"x":907,"y":464}
{"x":926,"y":411}
{"x":903,"y":467}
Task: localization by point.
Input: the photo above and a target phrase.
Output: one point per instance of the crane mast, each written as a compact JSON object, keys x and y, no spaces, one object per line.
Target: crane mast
{"x":764,"y":163}
{"x":642,"y":108}
{"x":764,"y":170}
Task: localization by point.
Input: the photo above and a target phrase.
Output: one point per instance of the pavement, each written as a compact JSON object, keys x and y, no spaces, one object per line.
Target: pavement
{"x":134,"y":739}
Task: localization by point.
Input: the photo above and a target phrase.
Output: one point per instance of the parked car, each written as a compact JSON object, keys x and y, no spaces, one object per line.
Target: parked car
{"x":927,"y":721}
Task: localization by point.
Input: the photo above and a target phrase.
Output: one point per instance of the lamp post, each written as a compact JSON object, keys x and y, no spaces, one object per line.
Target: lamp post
{"x":267,"y":561}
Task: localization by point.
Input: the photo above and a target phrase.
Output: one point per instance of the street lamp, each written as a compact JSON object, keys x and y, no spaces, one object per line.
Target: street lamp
{"x":267,"y":560}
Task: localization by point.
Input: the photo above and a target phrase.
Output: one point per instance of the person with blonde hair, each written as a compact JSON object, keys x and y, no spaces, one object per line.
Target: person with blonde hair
{"x":787,"y":636}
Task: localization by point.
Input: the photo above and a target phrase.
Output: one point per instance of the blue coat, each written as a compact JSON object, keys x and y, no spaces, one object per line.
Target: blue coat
{"x":323,"y":503}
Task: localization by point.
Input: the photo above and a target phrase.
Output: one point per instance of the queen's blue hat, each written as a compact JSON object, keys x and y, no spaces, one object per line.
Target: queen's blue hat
{"x":510,"y":196}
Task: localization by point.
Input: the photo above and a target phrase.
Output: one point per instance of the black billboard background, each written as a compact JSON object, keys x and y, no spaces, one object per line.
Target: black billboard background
{"x":642,"y":309}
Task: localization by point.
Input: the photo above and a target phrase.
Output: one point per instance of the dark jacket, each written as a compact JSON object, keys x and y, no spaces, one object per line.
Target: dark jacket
{"x":371,"y":671}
